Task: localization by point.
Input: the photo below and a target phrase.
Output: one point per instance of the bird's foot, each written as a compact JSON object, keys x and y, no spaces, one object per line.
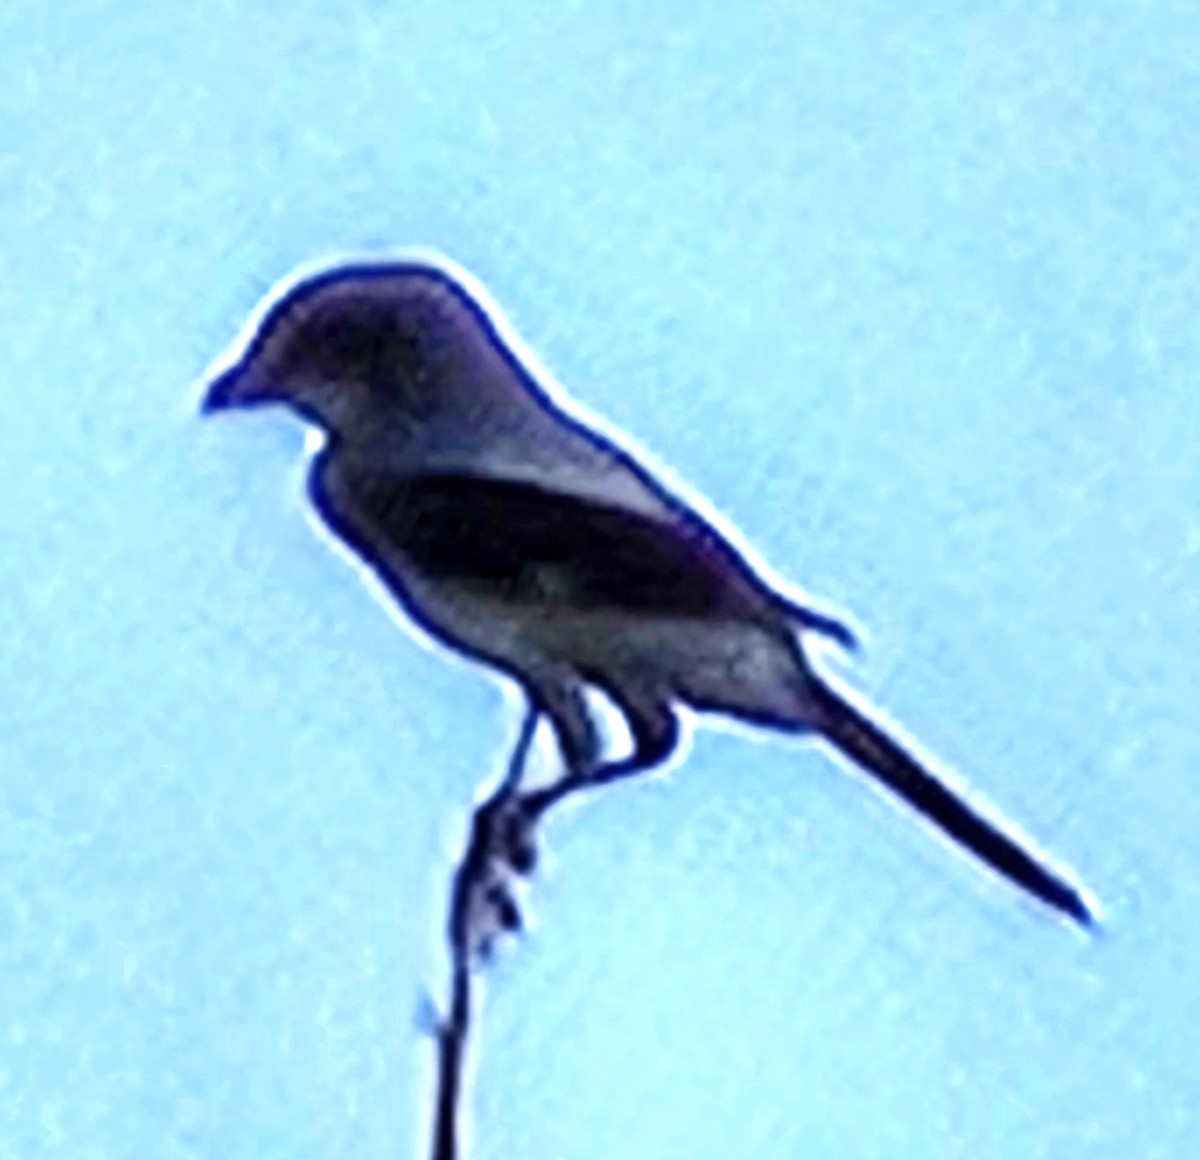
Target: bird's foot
{"x":502,"y":849}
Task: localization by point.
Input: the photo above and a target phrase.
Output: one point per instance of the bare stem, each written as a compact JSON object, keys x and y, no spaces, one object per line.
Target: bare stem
{"x":477,"y":896}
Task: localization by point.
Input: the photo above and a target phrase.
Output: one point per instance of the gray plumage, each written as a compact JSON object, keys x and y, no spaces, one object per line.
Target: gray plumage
{"x":532,"y":543}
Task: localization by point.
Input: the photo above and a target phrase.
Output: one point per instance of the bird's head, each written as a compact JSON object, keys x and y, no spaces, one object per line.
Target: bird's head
{"x":358,"y":345}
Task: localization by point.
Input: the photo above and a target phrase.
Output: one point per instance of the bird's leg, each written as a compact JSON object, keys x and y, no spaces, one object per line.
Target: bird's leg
{"x":520,"y":753}
{"x":655,"y":731}
{"x":502,"y":842}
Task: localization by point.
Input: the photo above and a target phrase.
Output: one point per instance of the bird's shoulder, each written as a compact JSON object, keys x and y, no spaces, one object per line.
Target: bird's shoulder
{"x":349,"y":495}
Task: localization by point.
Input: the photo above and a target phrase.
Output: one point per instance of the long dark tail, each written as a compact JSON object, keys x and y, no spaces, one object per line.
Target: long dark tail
{"x":880,"y":756}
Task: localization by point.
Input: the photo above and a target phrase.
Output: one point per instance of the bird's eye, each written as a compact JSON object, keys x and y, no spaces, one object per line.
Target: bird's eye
{"x":341,"y":346}
{"x":358,"y":342}
{"x":407,"y":340}
{"x":355,"y":343}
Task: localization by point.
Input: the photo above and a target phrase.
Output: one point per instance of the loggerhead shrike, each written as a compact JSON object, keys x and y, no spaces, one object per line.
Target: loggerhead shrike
{"x":522,"y":538}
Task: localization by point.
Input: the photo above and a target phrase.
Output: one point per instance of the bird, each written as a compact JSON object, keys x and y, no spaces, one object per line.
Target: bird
{"x":528,"y":540}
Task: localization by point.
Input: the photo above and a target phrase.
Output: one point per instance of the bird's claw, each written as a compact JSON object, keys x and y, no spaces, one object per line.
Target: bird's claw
{"x":502,"y":848}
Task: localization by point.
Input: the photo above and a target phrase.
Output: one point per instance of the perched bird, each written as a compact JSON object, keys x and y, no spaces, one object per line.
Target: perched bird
{"x":514,"y":533}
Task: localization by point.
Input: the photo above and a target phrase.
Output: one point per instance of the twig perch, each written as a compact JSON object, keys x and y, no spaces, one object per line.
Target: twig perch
{"x":482,"y":907}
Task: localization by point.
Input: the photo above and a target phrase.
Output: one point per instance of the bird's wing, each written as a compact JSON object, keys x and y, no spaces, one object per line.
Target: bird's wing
{"x":545,"y":547}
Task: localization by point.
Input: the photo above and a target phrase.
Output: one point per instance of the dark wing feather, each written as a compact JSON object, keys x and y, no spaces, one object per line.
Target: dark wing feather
{"x":549,"y":547}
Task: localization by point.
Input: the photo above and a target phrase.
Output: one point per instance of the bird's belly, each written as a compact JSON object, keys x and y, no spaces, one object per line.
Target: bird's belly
{"x":719,"y":665}
{"x":723,"y":665}
{"x":481,"y":624}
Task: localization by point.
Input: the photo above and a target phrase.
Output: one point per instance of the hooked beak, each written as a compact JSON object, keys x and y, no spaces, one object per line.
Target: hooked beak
{"x":227,"y":390}
{"x":239,"y":386}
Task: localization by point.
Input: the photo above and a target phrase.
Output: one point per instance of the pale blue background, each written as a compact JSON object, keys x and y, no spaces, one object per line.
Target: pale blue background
{"x":910,"y":292}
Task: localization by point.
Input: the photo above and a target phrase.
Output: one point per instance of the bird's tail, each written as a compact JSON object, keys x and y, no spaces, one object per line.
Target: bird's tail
{"x":821,"y":623}
{"x":882,"y":757}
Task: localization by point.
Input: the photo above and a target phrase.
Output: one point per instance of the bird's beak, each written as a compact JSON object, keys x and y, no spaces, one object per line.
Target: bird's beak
{"x":222,"y":392}
{"x":236,"y":387}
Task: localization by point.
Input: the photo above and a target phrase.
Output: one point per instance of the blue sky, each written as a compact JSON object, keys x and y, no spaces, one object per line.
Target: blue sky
{"x":908,"y":293}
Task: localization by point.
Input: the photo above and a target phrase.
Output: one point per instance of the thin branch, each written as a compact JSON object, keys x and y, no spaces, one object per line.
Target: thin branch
{"x":452,"y":1042}
{"x":481,"y":907}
